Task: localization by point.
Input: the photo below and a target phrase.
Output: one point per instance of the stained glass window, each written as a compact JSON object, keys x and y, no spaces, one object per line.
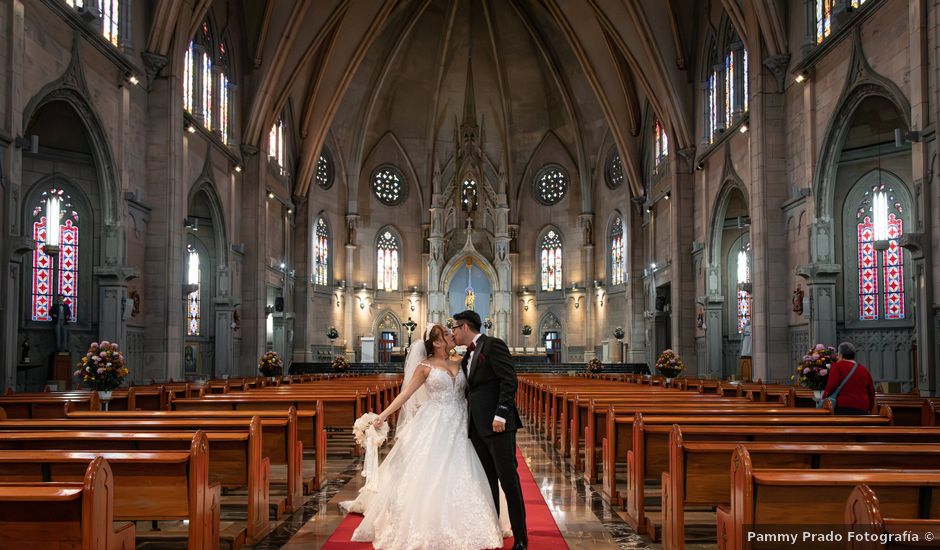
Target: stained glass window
{"x":726,"y":85}
{"x":880,"y":275}
{"x":193,"y":299}
{"x":613,"y":172}
{"x":618,"y":253}
{"x":189,"y":75}
{"x":55,"y":213}
{"x":729,"y":87}
{"x":857,"y":3}
{"x":712,"y":106}
{"x":551,"y":261}
{"x":224,"y":107}
{"x":276,"y":146}
{"x":743,"y":292}
{"x":468,"y":199}
{"x":76,"y":3}
{"x":321,"y":254}
{"x":388,"y":185}
{"x":324,"y":175}
{"x":744,"y":71}
{"x":823,"y":19}
{"x":551,"y":184}
{"x":110,"y":20}
{"x":387,"y":261}
{"x":660,"y":146}
{"x":206,"y":90}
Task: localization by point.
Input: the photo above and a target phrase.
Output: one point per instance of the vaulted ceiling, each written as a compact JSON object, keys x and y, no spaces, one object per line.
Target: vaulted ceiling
{"x":356,"y":70}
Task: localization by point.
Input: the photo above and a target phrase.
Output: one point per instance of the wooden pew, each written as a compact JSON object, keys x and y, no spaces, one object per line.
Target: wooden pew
{"x":649,"y":457}
{"x":863,"y":515}
{"x":803,"y":498}
{"x":148,"y":485}
{"x":699,"y":474}
{"x":235,"y":459}
{"x":77,"y":515}
{"x":48,"y":405}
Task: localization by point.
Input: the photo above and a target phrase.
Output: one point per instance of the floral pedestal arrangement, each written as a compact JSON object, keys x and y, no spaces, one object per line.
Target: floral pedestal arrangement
{"x":340,"y":364}
{"x":669,"y":365}
{"x":102,"y":369}
{"x":813,"y":370}
{"x":271,"y":366}
{"x":594,"y":366}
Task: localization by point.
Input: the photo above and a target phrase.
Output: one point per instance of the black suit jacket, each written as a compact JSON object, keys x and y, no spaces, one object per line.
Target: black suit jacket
{"x":491,"y":386}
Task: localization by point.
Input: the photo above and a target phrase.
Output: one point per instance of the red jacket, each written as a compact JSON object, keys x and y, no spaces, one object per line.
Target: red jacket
{"x":858,"y":392}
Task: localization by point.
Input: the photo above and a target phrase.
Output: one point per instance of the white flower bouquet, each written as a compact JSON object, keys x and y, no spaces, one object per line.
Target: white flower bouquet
{"x":365,"y":432}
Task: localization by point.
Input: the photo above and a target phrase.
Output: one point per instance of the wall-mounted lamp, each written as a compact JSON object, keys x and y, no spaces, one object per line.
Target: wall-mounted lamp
{"x":649,"y":209}
{"x":743,"y":129}
{"x":525,"y":304}
{"x":801,"y":77}
{"x":238,"y":168}
{"x":667,"y":196}
{"x":189,"y":128}
{"x":270,"y":195}
{"x":31,"y":143}
{"x":290,"y":210}
{"x":699,"y":167}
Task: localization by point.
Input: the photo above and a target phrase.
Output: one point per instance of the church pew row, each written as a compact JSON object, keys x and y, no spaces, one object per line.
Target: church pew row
{"x":147,"y":485}
{"x":804,"y":498}
{"x":235,"y":460}
{"x":649,"y":457}
{"x":863,"y":514}
{"x":617,"y":436}
{"x":277,"y":436}
{"x":310,"y":432}
{"x":77,"y":515}
{"x":699,"y":474}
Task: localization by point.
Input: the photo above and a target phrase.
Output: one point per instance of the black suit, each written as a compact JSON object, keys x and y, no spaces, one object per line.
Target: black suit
{"x":491,"y":392}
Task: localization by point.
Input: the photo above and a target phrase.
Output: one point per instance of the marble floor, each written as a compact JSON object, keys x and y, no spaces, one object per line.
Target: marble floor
{"x":583,"y":516}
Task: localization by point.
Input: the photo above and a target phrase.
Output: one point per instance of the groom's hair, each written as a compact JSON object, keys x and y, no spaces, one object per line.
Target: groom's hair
{"x":470,"y":317}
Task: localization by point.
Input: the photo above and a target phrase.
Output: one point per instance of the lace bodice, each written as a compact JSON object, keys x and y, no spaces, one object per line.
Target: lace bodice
{"x":441,"y":386}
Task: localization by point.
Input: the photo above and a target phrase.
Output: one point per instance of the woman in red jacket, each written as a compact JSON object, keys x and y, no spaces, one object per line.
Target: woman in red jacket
{"x":857,"y":395}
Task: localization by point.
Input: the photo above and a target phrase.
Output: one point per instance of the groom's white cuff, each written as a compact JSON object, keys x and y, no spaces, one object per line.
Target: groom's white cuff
{"x":499,"y":419}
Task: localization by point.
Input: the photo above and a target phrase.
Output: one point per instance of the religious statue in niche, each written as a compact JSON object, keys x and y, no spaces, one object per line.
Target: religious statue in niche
{"x":798,"y":300}
{"x":60,"y":315}
{"x":236,"y":320}
{"x":700,"y":320}
{"x":135,"y":299}
{"x":470,"y":300}
{"x":25,"y":357}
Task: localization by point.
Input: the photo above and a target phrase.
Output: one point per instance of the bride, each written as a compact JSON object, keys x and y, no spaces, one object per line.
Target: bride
{"x":432,"y":491}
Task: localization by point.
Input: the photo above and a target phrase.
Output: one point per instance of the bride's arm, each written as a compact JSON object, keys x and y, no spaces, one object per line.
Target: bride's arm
{"x":419,"y":377}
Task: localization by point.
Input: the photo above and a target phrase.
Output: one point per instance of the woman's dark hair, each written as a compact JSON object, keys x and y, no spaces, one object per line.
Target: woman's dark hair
{"x":437,"y":332}
{"x":471,"y":318}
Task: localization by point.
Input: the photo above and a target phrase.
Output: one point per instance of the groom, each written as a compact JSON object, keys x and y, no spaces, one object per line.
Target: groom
{"x":493,"y":419}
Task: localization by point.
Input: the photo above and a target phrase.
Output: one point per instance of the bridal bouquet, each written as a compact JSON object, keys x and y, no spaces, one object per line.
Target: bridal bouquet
{"x":365,"y":432}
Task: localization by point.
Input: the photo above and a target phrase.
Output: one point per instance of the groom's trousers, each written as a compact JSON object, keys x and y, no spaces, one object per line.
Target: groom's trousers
{"x":497,"y":452}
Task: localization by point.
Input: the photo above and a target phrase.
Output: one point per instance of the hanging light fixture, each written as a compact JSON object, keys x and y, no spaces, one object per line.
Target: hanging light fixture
{"x":53,"y":207}
{"x":879,"y":211}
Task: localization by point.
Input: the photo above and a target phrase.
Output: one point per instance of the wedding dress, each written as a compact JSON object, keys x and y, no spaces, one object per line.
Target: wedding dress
{"x":432,"y":492}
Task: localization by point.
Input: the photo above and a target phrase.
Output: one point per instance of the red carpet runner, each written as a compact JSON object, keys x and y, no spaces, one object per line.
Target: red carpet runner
{"x":543,"y":531}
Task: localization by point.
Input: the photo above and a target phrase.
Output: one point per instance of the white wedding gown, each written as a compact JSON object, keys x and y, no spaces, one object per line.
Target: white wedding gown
{"x":432,"y":491}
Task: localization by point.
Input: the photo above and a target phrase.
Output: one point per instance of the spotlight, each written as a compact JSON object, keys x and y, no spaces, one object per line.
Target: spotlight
{"x":653,"y":265}
{"x":190,"y":128}
{"x":290,"y":210}
{"x":238,"y":167}
{"x":270,"y":195}
{"x":649,"y":209}
{"x":667,"y":196}
{"x":699,"y":167}
{"x":801,"y":77}
{"x":743,"y":129}
{"x":283,"y":265}
{"x":133,"y":80}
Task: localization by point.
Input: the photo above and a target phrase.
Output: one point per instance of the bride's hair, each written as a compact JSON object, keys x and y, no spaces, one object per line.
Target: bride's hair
{"x":436,"y":332}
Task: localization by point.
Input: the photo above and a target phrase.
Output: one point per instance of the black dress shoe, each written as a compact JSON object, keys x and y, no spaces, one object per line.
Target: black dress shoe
{"x":519,"y":546}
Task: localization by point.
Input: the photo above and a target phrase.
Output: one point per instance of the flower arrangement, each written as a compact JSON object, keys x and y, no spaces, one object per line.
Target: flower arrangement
{"x":526,"y":330}
{"x":618,"y":333}
{"x":270,"y":364}
{"x":594,"y":366}
{"x":450,"y":323}
{"x":813,"y":370}
{"x":363,"y":426}
{"x":339,"y":364}
{"x":102,"y":368}
{"x":332,"y":334}
{"x":669,"y":364}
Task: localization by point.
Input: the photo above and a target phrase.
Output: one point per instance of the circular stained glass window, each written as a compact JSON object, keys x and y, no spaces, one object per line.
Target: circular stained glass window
{"x":613,"y":171}
{"x":551,"y":184}
{"x":324,"y":175}
{"x":388,"y":185}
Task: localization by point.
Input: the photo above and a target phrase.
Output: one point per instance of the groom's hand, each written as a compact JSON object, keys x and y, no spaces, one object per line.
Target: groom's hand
{"x":499,"y":426}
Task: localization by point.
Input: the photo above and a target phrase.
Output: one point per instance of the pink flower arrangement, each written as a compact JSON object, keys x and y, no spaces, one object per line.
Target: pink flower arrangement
{"x":813,"y":370}
{"x":669,"y":364}
{"x":102,"y":367}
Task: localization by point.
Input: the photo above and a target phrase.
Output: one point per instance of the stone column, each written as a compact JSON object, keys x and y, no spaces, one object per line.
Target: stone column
{"x":821,"y":286}
{"x":586,"y":221}
{"x":714,"y":304}
{"x":502,"y":302}
{"x":352,"y":225}
{"x":113,"y":305}
{"x":225,"y":337}
{"x":436,"y":296}
{"x":280,"y":335}
{"x":919,"y":246}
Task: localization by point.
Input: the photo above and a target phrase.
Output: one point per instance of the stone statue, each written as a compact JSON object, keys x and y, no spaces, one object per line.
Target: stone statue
{"x":470,"y":300}
{"x":60,"y":315}
{"x":25,"y":357}
{"x":798,"y":300}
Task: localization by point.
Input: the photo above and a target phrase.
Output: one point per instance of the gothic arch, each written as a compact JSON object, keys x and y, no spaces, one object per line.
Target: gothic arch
{"x":204,"y":185}
{"x":731,"y":186}
{"x":401,"y":253}
{"x":459,"y":260}
{"x":861,"y":83}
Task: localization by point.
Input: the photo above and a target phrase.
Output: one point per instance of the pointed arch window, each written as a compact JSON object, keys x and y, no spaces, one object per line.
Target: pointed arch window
{"x":743,"y":294}
{"x":193,"y":299}
{"x":206,"y":90}
{"x":324,"y":175}
{"x":879,"y":226}
{"x":55,"y":223}
{"x":189,"y":78}
{"x":111,"y":14}
{"x":613,"y":172}
{"x":387,"y":260}
{"x":468,"y":199}
{"x":551,"y":261}
{"x":277,"y":148}
{"x":618,"y":253}
{"x":725,"y":84}
{"x":660,"y":146}
{"x":321,"y":253}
